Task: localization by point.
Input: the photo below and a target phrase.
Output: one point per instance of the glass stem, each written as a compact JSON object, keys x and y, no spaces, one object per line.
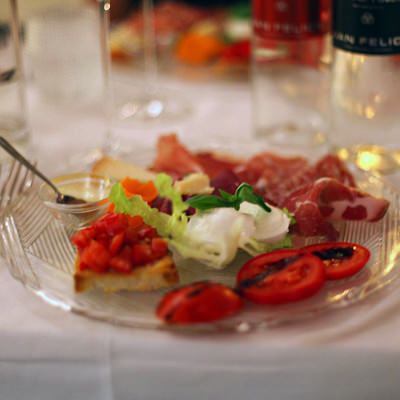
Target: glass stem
{"x":20,"y":72}
{"x":149,"y":46}
{"x":108,"y":96}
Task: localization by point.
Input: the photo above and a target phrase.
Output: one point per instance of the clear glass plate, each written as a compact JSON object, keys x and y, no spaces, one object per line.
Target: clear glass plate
{"x":38,"y":252}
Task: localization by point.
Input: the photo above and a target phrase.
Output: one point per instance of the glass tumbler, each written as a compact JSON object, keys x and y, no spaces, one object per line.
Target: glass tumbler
{"x":13,"y":104}
{"x":290,"y":83}
{"x":64,"y":53}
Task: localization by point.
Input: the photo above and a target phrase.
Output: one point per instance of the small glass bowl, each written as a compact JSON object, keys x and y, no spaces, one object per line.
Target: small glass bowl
{"x":91,"y":188}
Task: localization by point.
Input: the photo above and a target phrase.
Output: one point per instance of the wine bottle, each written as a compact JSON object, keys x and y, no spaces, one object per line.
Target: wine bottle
{"x":365,"y":90}
{"x":290,"y":84}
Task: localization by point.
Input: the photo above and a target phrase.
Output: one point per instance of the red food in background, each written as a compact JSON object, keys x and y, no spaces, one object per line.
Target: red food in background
{"x":171,"y":17}
{"x":238,"y":52}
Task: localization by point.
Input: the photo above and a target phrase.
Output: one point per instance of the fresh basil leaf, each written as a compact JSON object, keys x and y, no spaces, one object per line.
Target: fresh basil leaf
{"x":227,"y":196}
{"x":207,"y":201}
{"x":245,"y":192}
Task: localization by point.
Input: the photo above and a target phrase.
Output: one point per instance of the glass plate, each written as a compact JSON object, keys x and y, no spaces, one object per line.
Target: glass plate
{"x":38,"y":252}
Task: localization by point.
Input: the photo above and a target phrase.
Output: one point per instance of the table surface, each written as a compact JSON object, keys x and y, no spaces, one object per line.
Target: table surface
{"x":46,"y":353}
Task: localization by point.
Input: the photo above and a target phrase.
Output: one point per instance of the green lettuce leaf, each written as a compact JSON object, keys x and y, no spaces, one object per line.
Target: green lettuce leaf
{"x":290,"y":215}
{"x":214,"y":253}
{"x":177,"y":223}
{"x":255,"y":247}
{"x":166,"y":225}
{"x":135,"y":205}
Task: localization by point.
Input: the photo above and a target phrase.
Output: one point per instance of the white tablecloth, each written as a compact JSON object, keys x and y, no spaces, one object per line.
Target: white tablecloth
{"x":46,"y":353}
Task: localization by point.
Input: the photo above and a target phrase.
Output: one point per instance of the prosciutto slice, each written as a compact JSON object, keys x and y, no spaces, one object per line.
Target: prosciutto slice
{"x":331,"y":166}
{"x":327,"y":199}
{"x":174,"y":159}
{"x":215,"y":165}
{"x":266,"y":170}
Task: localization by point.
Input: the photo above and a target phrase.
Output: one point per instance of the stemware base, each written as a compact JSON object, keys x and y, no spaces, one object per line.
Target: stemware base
{"x":86,"y":158}
{"x":141,"y":104}
{"x":372,"y":158}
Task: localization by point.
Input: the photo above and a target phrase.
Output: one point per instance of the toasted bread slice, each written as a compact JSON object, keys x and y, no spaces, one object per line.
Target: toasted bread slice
{"x":159,"y":274}
{"x":119,"y":170}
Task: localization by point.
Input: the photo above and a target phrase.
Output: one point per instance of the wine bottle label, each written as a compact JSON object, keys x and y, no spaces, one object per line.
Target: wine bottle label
{"x":290,"y":19}
{"x":367,"y":26}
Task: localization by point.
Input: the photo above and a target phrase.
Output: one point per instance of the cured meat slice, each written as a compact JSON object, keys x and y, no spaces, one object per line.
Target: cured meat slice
{"x":227,"y":181}
{"x":279,"y":192}
{"x":213,"y":164}
{"x":174,"y":159}
{"x":269,"y":169}
{"x":332,"y":166}
{"x":326,"y":200}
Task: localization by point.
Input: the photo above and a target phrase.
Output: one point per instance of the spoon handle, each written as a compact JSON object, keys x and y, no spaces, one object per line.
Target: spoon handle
{"x":19,"y":157}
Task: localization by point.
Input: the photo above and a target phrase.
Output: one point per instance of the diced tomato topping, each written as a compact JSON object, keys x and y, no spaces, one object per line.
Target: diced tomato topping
{"x":103,"y":239}
{"x":82,"y":265}
{"x":147,"y":232}
{"x":126,"y":251}
{"x":135,"y":221}
{"x":142,"y":254}
{"x":116,"y":243}
{"x":120,"y":263}
{"x":111,"y":224}
{"x":131,"y":235}
{"x":159,"y":247}
{"x":82,"y":238}
{"x":119,"y":242}
{"x":96,"y":256}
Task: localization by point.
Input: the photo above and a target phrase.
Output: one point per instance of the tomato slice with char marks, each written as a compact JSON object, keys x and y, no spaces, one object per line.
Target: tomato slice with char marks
{"x":281,"y":276}
{"x":199,"y":302}
{"x":341,"y":259}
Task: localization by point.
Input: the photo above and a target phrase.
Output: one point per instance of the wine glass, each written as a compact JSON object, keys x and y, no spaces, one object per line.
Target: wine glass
{"x":13,"y":111}
{"x":151,"y":101}
{"x":111,"y":145}
{"x":365,"y":117}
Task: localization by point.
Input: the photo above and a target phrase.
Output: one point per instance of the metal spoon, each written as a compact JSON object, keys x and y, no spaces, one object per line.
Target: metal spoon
{"x":61,"y":198}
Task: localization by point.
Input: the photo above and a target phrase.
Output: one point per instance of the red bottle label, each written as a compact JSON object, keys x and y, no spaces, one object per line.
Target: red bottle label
{"x":291,"y":19}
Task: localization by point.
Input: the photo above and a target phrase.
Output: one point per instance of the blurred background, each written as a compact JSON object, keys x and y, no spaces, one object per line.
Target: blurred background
{"x":194,"y":38}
